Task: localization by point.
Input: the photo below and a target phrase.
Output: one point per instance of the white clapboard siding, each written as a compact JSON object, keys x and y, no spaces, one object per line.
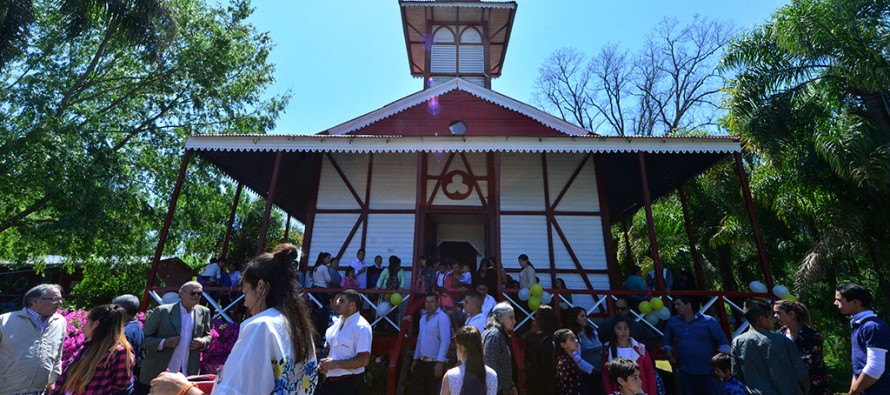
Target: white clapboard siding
{"x":582,"y":194}
{"x":574,"y":281}
{"x":524,"y":234}
{"x":332,"y":190}
{"x":522,"y":183}
{"x":391,"y":234}
{"x":329,"y":233}
{"x":585,"y":235}
{"x":394,"y":181}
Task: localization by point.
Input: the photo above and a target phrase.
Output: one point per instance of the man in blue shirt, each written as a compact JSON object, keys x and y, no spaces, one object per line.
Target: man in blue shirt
{"x":871,"y":340}
{"x":690,"y":340}
{"x":430,"y":354}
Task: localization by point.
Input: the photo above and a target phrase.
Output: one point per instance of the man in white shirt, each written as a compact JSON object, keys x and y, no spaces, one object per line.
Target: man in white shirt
{"x":473,"y":308}
{"x":430,"y":353}
{"x":210,"y":274}
{"x":488,"y":301}
{"x":349,"y":343}
{"x":361,"y":269}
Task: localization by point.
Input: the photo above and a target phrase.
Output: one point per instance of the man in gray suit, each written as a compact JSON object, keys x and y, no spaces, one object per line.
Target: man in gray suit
{"x":175,"y":334}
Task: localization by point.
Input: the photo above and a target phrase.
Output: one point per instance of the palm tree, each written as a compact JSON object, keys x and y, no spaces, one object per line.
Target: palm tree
{"x":810,"y":99}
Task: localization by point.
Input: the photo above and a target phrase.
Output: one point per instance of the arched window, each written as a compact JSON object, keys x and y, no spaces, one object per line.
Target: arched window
{"x":443,"y":51}
{"x":472,"y":58}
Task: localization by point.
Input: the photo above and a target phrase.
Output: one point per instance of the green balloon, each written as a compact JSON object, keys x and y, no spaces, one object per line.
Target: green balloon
{"x":395,"y":299}
{"x":534,"y":303}
{"x":536,"y":289}
{"x":645,"y":307}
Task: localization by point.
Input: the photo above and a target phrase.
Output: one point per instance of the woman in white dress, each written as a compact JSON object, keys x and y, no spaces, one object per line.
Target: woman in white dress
{"x":274,"y":353}
{"x":471,"y":376}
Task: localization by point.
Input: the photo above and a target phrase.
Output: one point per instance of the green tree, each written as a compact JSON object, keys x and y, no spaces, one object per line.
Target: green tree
{"x":92,"y":132}
{"x":810,"y":100}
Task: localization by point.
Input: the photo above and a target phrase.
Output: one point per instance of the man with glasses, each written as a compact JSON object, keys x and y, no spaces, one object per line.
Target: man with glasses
{"x":174,"y":335}
{"x":638,"y":330}
{"x":37,"y":326}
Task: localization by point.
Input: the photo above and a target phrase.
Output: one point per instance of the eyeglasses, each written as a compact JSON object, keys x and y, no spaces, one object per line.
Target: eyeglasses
{"x":196,"y":292}
{"x":54,"y":300}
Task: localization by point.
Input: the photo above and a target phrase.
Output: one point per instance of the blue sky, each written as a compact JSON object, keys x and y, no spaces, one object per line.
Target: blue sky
{"x":343,"y":58}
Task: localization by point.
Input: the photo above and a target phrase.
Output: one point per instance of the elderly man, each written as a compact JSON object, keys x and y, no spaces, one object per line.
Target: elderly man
{"x":31,"y":343}
{"x":174,"y":334}
{"x":349,"y":343}
{"x":133,"y":331}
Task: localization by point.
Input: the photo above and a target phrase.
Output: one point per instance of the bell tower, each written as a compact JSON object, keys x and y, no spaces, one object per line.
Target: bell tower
{"x":456,"y":39}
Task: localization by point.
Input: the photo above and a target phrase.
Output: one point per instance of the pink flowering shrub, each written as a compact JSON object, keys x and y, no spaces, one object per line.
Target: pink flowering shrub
{"x":223,"y":335}
{"x":74,"y":337}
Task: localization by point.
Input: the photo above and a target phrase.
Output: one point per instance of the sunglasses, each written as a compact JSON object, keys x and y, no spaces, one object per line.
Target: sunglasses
{"x":195,"y":292}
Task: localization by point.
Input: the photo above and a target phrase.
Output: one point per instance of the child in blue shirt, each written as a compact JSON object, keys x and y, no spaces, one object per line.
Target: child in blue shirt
{"x":722,"y":364}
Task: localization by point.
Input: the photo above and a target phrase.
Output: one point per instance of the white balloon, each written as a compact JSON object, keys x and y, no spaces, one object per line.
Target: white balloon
{"x":546,"y":297}
{"x":524,"y":294}
{"x":781,"y":291}
{"x":664,"y":313}
{"x":651,"y":318}
{"x":383,"y":308}
{"x":757,"y":286}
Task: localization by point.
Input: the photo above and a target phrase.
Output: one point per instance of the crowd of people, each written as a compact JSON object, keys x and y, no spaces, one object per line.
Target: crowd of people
{"x":463,"y":342}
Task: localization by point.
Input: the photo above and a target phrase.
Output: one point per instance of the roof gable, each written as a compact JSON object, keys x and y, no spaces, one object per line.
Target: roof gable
{"x":430,"y":111}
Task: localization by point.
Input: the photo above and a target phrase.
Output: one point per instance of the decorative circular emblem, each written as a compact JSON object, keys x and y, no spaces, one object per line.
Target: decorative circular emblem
{"x":456,"y":185}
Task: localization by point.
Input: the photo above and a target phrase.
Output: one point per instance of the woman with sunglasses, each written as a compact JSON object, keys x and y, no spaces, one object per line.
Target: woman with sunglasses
{"x":274,"y":353}
{"x":104,"y":363}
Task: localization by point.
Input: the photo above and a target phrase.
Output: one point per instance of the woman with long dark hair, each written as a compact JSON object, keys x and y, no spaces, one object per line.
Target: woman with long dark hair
{"x":623,"y":345}
{"x":471,"y":377}
{"x":795,"y":320}
{"x":274,"y":353}
{"x":567,"y":371}
{"x":104,"y":363}
{"x":590,"y":356}
{"x":539,"y":353}
{"x":527,"y":274}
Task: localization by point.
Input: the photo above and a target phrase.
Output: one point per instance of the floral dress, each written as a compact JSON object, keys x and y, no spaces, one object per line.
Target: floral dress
{"x":568,"y":376}
{"x":809,"y":345}
{"x":262,"y":363}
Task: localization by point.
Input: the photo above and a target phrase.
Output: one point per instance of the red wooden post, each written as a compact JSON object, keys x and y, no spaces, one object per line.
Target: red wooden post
{"x":165,"y":229}
{"x":270,"y":199}
{"x":653,"y":241}
{"x":696,"y":260}
{"x":755,"y":224}
{"x":225,"y":247}
{"x":724,"y":319}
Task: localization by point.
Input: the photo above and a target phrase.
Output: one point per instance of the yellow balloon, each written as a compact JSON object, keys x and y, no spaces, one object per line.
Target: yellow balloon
{"x":656,"y":304}
{"x":536,"y":290}
{"x":645,"y":307}
{"x":395,"y":299}
{"x":790,"y":297}
{"x":534,"y":303}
